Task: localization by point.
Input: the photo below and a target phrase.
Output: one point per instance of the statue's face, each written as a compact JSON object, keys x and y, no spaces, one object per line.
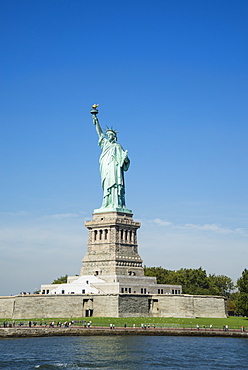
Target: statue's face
{"x":111,"y":136}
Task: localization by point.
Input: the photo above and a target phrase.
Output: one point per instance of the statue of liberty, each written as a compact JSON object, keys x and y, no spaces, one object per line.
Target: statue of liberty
{"x":113,"y":162}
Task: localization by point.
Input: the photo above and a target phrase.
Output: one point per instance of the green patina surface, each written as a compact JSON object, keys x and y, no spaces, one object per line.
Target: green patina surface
{"x":114,"y":162}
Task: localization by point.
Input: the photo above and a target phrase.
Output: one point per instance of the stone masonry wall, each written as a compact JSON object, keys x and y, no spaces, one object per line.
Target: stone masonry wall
{"x":189,"y":306}
{"x":209,"y":306}
{"x":6,"y":307}
{"x":105,"y":305}
{"x":173,"y":306}
{"x":45,"y":306}
{"x":112,"y":305}
{"x":40,"y":306}
{"x":133,"y":305}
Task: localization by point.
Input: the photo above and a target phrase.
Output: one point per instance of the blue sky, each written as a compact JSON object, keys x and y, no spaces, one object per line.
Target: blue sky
{"x":171,"y":77}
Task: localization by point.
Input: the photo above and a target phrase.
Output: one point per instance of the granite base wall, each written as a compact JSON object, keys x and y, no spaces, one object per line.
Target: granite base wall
{"x":133,"y":305}
{"x":6,"y":307}
{"x":173,"y":306}
{"x":189,"y":306}
{"x":208,"y":305}
{"x":112,"y":305}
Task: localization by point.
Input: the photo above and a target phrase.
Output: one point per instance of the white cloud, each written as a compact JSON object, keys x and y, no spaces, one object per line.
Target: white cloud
{"x":160,"y":222}
{"x":212,"y":246}
{"x":205,"y":227}
{"x":33,"y":237}
{"x":32,"y":255}
{"x":38,"y":250}
{"x":19,"y":213}
{"x":60,"y":216}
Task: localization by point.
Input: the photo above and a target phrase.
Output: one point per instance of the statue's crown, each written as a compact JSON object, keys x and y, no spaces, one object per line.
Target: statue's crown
{"x":111,"y":129}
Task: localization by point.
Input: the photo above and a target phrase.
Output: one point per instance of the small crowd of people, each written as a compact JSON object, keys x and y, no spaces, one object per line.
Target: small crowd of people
{"x":7,"y":324}
{"x":144,"y":326}
{"x":88,"y":324}
{"x":225,"y":327}
{"x":52,"y":324}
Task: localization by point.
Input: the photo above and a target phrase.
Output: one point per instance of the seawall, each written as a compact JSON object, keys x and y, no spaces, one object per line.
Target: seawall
{"x":79,"y":331}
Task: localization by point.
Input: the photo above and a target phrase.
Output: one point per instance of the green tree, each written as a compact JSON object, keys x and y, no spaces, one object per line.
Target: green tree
{"x":193,"y":281}
{"x":242,"y":282}
{"x":222,"y":283}
{"x":161,"y":274}
{"x":242,"y":304}
{"x":242,"y":300}
{"x":61,"y":280}
{"x":232,"y":302}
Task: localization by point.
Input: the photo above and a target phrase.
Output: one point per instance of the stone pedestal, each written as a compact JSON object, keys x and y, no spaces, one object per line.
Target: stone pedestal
{"x":112,"y":246}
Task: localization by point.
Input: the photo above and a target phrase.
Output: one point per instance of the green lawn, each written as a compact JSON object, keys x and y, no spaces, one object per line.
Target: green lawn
{"x":232,"y":322}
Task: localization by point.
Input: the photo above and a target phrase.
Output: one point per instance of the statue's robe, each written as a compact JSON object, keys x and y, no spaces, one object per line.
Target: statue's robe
{"x":113,"y":163}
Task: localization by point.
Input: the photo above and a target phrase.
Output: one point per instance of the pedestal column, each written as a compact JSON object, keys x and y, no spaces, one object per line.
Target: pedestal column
{"x":112,"y":245}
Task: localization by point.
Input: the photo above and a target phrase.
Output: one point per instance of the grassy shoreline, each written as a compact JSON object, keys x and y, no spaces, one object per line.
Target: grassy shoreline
{"x":159,"y":322}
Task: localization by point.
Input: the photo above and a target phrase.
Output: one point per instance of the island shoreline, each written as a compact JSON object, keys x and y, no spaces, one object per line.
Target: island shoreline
{"x":20,"y":332}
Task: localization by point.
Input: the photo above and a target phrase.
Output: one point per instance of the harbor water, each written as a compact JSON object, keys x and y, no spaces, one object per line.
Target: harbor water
{"x":123,"y":352}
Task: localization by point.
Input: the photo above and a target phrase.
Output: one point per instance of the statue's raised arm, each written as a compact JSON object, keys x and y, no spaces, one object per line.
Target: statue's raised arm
{"x":113,"y":162}
{"x":94,"y":112}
